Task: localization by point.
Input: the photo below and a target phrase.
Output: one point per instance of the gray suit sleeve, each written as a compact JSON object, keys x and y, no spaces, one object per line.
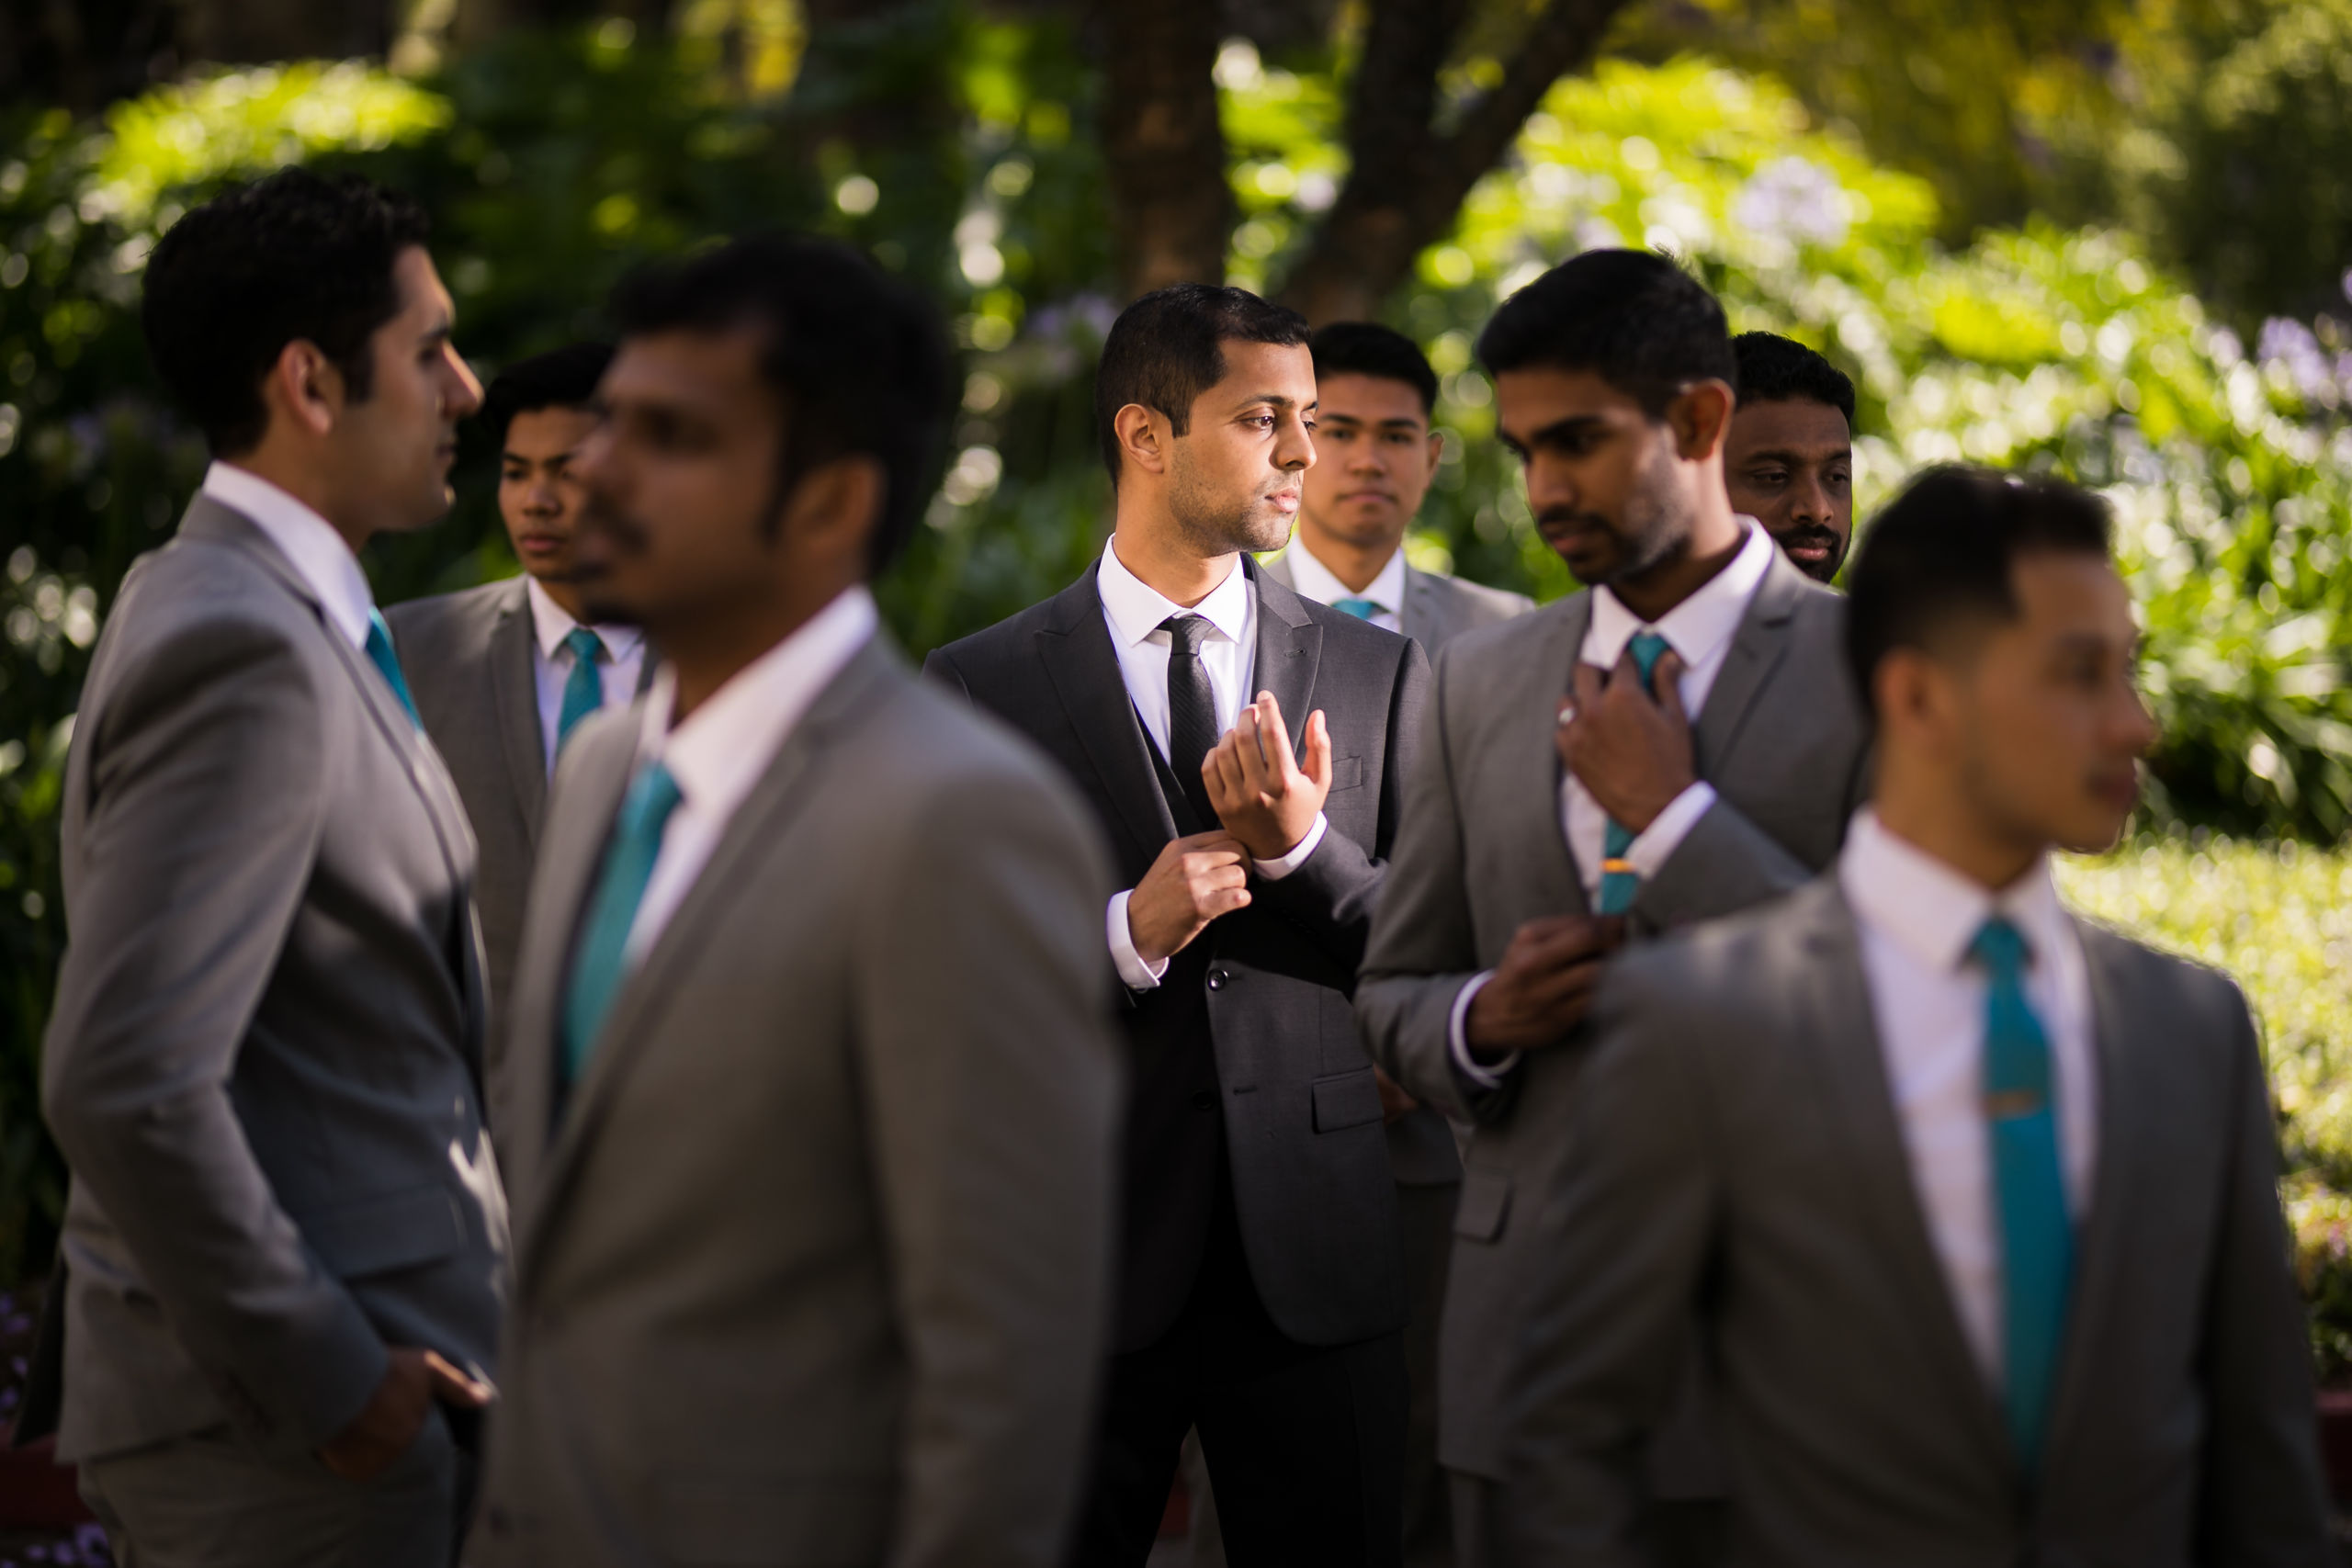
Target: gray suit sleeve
{"x":1627,"y":1231}
{"x":1726,"y":863}
{"x":994,"y":1102}
{"x":1422,"y":950}
{"x":1334,"y":893}
{"x":2263,"y":1504}
{"x":202,"y":825}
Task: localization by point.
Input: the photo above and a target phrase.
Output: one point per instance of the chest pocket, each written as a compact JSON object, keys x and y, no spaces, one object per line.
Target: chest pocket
{"x":1347,"y":773}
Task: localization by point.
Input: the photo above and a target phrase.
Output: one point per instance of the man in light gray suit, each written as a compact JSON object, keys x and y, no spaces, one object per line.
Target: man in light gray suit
{"x":811,"y":1099}
{"x":285,"y":1236}
{"x":502,"y":673}
{"x":1974,"y":1204}
{"x":1560,"y":811}
{"x":1374,"y":457}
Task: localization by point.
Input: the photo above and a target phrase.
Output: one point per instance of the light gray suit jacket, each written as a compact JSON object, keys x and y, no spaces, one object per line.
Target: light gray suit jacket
{"x":1737,"y":1155}
{"x":1483,"y":850}
{"x":1437,"y":609}
{"x":814,"y":1266}
{"x":263,"y":1065}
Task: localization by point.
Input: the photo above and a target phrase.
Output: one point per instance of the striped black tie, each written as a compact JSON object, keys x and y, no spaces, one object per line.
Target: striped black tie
{"x":1192,"y":711}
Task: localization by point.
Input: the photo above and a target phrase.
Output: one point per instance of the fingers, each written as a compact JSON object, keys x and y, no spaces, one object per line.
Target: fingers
{"x":1222,"y":771}
{"x":1219,"y":846}
{"x":1665,"y":685}
{"x":1258,"y":775}
{"x":452,"y":1386}
{"x":1588,"y":685}
{"x":1280,"y":756}
{"x":1317,"y":764}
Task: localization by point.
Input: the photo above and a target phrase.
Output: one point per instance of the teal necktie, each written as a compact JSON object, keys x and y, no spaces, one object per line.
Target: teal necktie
{"x":378,"y":647}
{"x":1619,"y":880}
{"x":2028,"y":1191}
{"x":1361,"y":609}
{"x":601,"y":960}
{"x":583,"y":690}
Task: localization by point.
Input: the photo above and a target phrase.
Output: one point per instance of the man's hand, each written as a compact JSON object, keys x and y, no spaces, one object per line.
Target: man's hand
{"x":395,"y":1412}
{"x":1545,"y":981}
{"x":1394,"y":1103}
{"x":1629,"y":747}
{"x":1193,"y":881}
{"x":1261,"y":793}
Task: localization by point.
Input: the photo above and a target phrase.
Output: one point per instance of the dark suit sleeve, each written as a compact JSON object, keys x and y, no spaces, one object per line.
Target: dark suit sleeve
{"x":205,"y":781}
{"x":2264,"y":1502}
{"x":1627,"y":1228}
{"x":1333,"y":893}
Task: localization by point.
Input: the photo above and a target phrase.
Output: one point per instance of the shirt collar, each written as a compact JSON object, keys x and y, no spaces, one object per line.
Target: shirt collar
{"x":550,"y":624}
{"x":1932,"y":911}
{"x":1320,"y":583}
{"x":1701,"y":625}
{"x":306,"y":539}
{"x":1136,"y":609}
{"x":718,"y":752}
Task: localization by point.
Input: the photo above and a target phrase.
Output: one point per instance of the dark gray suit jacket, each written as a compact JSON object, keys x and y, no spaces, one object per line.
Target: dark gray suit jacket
{"x":263,"y":1065}
{"x":1736,"y":1155}
{"x":813,"y":1269}
{"x":1437,"y":609}
{"x":1246,"y":1055}
{"x":1484,"y":851}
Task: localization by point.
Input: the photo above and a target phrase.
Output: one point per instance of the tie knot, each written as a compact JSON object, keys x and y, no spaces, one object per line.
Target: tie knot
{"x":2001,"y":948}
{"x":1646,"y":646}
{"x":586,"y":646}
{"x":1185,"y":634}
{"x":1361,"y":609}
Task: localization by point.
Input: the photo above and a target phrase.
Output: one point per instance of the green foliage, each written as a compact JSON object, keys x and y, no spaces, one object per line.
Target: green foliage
{"x":2279,"y":921}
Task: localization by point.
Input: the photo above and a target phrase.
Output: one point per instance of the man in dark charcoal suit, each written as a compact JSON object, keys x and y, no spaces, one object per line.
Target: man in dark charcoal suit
{"x":286,"y":1233}
{"x":1676,"y":742}
{"x":1261,"y":1291}
{"x":505,"y":673}
{"x":1974,"y":1204}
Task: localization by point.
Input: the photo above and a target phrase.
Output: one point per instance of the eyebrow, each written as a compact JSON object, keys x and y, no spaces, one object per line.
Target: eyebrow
{"x":1411,"y":424}
{"x":1557,"y":431}
{"x":1790,"y":456}
{"x":439,"y":332}
{"x":1277,"y":399}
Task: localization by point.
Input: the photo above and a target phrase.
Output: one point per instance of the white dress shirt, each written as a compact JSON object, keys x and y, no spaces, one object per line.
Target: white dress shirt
{"x":1916,"y":916}
{"x":1134,"y":610}
{"x":1699,"y":630}
{"x":308,"y":540}
{"x":720,"y":749}
{"x":1315,"y":581}
{"x":618,"y":672}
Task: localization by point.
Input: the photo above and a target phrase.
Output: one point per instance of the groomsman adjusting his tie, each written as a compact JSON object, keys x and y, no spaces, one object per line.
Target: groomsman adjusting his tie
{"x":286,"y":1236}
{"x":811,"y":1099}
{"x":1261,"y":1291}
{"x":505,"y":673}
{"x":1975,"y":1205}
{"x":1675,"y":742}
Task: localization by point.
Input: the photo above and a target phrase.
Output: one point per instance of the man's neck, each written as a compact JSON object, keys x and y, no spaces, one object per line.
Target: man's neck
{"x":1716,"y":539}
{"x":1932,"y":822}
{"x":299,"y":481}
{"x":710,"y":650}
{"x":565,"y":596}
{"x":1356,"y":566}
{"x":1162,"y":563}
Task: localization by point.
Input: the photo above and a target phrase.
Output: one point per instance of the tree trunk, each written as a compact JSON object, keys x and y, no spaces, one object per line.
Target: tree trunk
{"x":253,"y":31}
{"x":1171,"y":209}
{"x":1407,"y":181}
{"x":83,"y":54}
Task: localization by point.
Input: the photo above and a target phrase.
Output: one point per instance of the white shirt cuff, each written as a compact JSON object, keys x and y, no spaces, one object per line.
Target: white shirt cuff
{"x":1275,"y":870}
{"x":1457,"y":1038}
{"x":1138,"y":975}
{"x":1655,"y":844}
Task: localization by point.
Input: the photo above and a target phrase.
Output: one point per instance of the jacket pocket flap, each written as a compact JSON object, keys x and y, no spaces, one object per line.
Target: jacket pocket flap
{"x":1484,"y":1204}
{"x":1350,"y":1100}
{"x":1347,"y":773}
{"x":377,"y":1236}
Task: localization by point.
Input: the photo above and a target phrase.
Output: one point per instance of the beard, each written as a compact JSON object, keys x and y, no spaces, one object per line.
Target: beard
{"x":1214,"y":522}
{"x":1824,"y":570}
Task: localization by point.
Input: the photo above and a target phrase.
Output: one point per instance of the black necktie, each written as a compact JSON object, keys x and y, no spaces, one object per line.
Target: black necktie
{"x":1192,"y":711}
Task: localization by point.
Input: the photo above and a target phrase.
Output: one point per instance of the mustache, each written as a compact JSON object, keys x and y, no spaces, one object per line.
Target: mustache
{"x":1810,"y":534}
{"x":1568,"y":517}
{"x":596,"y":513}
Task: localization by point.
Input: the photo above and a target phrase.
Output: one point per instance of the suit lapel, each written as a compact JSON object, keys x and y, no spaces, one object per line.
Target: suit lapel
{"x":1289,"y":651}
{"x":1550,"y":676}
{"x":514,"y":698}
{"x":1075,"y":648}
{"x":1418,"y":616}
{"x":636,"y":1009}
{"x":1757,"y":649}
{"x":1842,"y":1031}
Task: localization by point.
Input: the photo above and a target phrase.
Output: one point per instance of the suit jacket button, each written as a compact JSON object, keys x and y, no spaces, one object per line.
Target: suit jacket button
{"x":1217,"y":977}
{"x":1205,"y":1100}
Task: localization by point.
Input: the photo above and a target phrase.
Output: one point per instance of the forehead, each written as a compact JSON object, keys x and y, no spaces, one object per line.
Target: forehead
{"x":715,"y":374}
{"x":1372,"y":399}
{"x":2070,"y":594}
{"x":548,"y":431}
{"x":419,"y":285}
{"x":1535,"y":398}
{"x":1797,"y":425}
{"x":1258,"y":369}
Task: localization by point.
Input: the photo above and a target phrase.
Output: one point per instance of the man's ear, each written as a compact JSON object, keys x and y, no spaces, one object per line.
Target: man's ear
{"x":1701,"y":417}
{"x":304,"y":385}
{"x":1143,"y":437}
{"x":836,"y":506}
{"x":1437,"y":449}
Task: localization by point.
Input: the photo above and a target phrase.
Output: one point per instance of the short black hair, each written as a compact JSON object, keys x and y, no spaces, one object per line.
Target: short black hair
{"x":858,"y":359}
{"x":1633,"y":317}
{"x":1776,"y":369}
{"x":1943,"y":551}
{"x":295,"y":256}
{"x":1166,"y":348}
{"x":562,"y":378}
{"x":1367,"y":348}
